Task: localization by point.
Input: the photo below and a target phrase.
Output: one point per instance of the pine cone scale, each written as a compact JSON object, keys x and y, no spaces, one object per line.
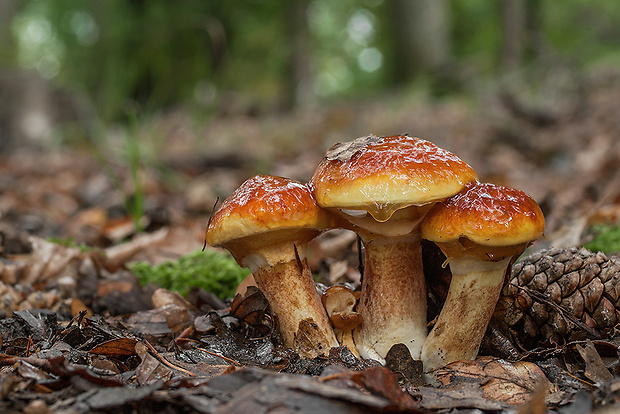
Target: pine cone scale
{"x":591,"y":270}
{"x":538,"y":282}
{"x":593,"y":292}
{"x":569,"y":283}
{"x":554,"y":292}
{"x":525,"y":274}
{"x":612,"y":288}
{"x":574,"y":304}
{"x":556,"y":271}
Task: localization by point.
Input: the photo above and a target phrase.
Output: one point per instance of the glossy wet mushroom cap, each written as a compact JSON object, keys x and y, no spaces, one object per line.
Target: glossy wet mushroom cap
{"x":485,"y":219}
{"x":260,"y":213}
{"x":381,"y":175}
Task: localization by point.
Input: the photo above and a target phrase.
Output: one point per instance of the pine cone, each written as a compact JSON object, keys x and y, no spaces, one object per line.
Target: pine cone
{"x":559,"y":295}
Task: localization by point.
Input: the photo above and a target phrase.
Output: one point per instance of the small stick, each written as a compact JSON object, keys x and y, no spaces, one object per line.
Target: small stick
{"x":165,"y":361}
{"x":221,"y":356}
{"x":565,"y":313}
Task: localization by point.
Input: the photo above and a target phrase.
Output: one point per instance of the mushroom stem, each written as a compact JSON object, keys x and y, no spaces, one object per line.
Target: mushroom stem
{"x":296,"y":306}
{"x":345,"y":338}
{"x":393,"y":297}
{"x":473,"y":294}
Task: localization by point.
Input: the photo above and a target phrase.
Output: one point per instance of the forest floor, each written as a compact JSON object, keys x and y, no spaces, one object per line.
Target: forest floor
{"x":79,"y":333}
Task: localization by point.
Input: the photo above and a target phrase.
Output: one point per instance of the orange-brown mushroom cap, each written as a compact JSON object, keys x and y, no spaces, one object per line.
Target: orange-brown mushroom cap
{"x":262,"y":204}
{"x":383,"y":174}
{"x":482,"y":217}
{"x":270,"y":207}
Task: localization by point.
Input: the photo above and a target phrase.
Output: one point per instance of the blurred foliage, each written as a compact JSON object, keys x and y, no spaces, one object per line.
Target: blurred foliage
{"x":344,"y":33}
{"x":160,"y":53}
{"x":606,"y":239}
{"x":211,"y":270}
{"x":588,"y":30}
{"x":70,"y":243}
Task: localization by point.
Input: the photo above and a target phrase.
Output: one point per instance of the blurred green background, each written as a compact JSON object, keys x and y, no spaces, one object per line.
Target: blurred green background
{"x":271,"y":56}
{"x":193,"y":97}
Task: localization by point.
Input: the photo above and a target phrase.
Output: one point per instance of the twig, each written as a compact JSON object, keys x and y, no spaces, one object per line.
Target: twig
{"x":220,"y":356}
{"x":165,"y":361}
{"x":579,"y":379}
{"x":31,"y":345}
{"x":564,"y":312}
{"x":183,"y":335}
{"x":345,"y":375}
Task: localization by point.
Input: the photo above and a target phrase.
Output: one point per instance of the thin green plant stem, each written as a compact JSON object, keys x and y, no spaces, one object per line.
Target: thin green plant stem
{"x":133,"y":156}
{"x":133,"y":201}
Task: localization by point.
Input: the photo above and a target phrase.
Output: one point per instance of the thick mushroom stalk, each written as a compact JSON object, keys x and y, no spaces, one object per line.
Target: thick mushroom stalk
{"x":459,"y":330}
{"x":393,"y":304}
{"x":339,"y":302}
{"x":481,"y":230}
{"x":267,"y":224}
{"x":383,"y":187}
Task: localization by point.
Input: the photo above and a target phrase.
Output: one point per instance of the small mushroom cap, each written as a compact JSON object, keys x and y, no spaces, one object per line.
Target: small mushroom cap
{"x":265,"y":204}
{"x":487,"y":215}
{"x":383,"y":174}
{"x":339,"y":302}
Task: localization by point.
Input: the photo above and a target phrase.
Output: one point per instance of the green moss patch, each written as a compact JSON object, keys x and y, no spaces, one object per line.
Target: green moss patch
{"x":211,"y":270}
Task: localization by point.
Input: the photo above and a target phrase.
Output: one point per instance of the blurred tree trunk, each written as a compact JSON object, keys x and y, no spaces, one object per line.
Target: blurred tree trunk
{"x":299,"y":80}
{"x":534,"y":22}
{"x":421,"y":37}
{"x":513,"y":27}
{"x":26,"y":109}
{"x":522,"y":32}
{"x":8,"y":9}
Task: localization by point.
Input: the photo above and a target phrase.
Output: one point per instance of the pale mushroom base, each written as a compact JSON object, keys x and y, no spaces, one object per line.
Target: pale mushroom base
{"x":461,"y":325}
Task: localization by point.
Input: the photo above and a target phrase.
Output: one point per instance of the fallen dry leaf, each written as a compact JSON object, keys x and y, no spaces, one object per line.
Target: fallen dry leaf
{"x":78,"y":306}
{"x":117,"y":256}
{"x":244,"y":285}
{"x":384,"y":383}
{"x":162,"y":297}
{"x":177,"y":318}
{"x":115,"y":348}
{"x":151,"y":370}
{"x":48,"y":261}
{"x":499,"y":380}
{"x":596,"y":370}
{"x":250,"y":307}
{"x":453,"y":398}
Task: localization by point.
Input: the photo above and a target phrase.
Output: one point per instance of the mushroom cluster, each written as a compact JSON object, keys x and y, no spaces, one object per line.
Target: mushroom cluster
{"x":393,"y":192}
